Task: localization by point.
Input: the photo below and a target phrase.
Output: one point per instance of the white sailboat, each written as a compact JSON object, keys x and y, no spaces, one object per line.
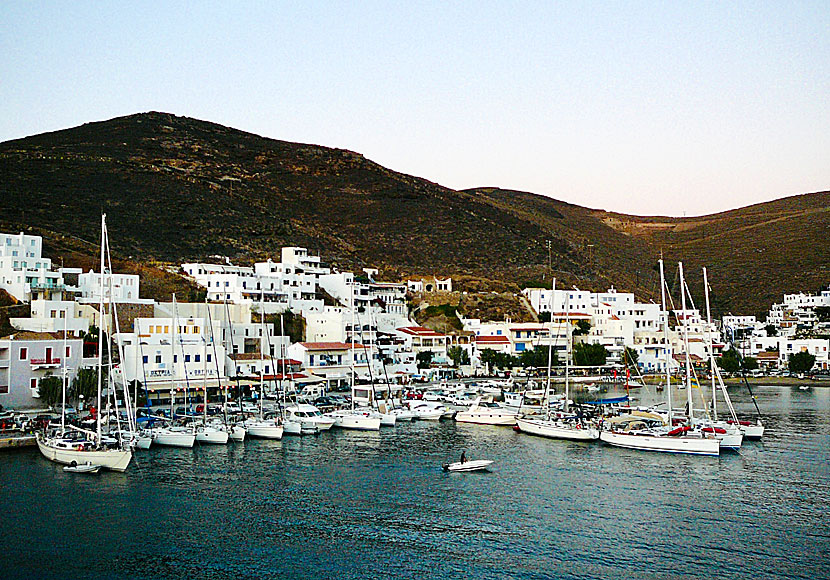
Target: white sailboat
{"x":655,"y":435}
{"x":564,"y":425}
{"x":263,"y":427}
{"x":77,"y":446}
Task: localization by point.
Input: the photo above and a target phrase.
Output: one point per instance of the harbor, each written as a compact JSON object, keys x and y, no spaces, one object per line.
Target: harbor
{"x":351,"y":504}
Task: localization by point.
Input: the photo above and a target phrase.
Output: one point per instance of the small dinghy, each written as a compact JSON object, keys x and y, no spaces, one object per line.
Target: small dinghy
{"x":83,"y":468}
{"x":476,"y":465}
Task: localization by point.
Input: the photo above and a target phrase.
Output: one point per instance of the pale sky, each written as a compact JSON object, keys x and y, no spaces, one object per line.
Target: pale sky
{"x":666,"y":108}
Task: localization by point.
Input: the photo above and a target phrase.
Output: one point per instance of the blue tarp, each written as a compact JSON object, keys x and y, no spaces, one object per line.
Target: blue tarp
{"x":610,"y":401}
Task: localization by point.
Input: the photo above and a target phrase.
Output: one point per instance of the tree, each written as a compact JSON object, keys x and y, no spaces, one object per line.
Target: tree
{"x":589,"y":355}
{"x":424,"y":359}
{"x":630,"y":358}
{"x":771,"y":329}
{"x":50,"y":389}
{"x":85,"y":383}
{"x":538,"y":357}
{"x":801,"y":362}
{"x":458,"y":355}
{"x":750,"y":363}
{"x":731,"y":361}
{"x":544,"y":317}
{"x":488,"y":358}
{"x":583,"y":327}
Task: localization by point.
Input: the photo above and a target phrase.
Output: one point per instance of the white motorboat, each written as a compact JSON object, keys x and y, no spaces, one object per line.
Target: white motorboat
{"x":309,"y":417}
{"x":69,"y":451}
{"x":475,"y":465}
{"x":554,"y":428}
{"x":349,"y":419}
{"x":402,"y":414}
{"x":427,"y":410}
{"x":484,"y":413}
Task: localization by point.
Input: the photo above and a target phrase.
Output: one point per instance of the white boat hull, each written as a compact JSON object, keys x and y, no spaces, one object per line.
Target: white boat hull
{"x":112,"y":459}
{"x":664,"y":444}
{"x":238,"y":433}
{"x":356,"y":421}
{"x":174,"y":438}
{"x":554,"y":430}
{"x":485,"y":418}
{"x":475,"y":465}
{"x":265,"y":430}
{"x":212,"y":436}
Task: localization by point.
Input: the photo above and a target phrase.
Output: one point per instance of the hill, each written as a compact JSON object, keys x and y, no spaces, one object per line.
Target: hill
{"x":176,"y":188}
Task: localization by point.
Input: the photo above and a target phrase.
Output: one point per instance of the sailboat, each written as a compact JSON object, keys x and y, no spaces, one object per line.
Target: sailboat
{"x":649,"y":431}
{"x":560,"y":426}
{"x":261,"y":427}
{"x":76,"y":446}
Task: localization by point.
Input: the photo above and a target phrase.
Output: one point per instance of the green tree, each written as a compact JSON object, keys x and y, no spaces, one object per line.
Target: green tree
{"x":801,"y":362}
{"x":458,"y":355}
{"x":488,"y":358}
{"x":544,"y":317}
{"x":823,"y":313}
{"x":50,"y":388}
{"x":750,"y":363}
{"x":424,"y":359}
{"x":589,"y":355}
{"x":730,"y":361}
{"x":771,"y":329}
{"x":583,"y":327}
{"x":538,"y":357}
{"x":85,"y":383}
{"x":630,"y":358}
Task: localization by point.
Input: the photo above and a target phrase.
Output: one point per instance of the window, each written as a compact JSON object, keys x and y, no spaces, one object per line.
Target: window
{"x":68,"y":352}
{"x":33,"y":383}
{"x":158,"y":358}
{"x":24,"y":353}
{"x":187,"y":358}
{"x":175,"y":358}
{"x":197,"y":358}
{"x":208,"y":357}
{"x":166,"y":330}
{"x":145,"y":359}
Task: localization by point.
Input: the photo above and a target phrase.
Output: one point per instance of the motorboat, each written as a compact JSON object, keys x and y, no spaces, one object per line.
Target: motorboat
{"x":427,"y":410}
{"x":486,"y":413}
{"x":357,"y":420}
{"x":474,"y":465}
{"x":309,"y":417}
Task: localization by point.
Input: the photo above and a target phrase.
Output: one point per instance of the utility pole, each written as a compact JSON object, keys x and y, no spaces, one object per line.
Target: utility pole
{"x":548,"y":244}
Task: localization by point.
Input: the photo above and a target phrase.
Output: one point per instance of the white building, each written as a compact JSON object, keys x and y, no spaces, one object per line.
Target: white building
{"x":333,"y":361}
{"x":118,"y":288}
{"x":24,"y":273}
{"x":57,"y":316}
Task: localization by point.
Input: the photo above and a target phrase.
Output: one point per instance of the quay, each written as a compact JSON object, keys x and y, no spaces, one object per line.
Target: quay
{"x":15,"y":439}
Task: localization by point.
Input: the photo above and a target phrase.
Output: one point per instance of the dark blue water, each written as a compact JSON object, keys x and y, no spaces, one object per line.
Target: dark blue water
{"x":361,"y":505}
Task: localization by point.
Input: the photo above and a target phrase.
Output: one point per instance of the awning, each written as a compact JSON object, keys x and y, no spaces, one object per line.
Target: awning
{"x":608,"y":401}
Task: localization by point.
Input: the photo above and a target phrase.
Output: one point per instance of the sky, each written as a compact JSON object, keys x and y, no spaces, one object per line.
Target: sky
{"x":649,"y":108}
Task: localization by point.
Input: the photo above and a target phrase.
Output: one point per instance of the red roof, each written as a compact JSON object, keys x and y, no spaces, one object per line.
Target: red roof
{"x":492,"y":340}
{"x":331,"y":345}
{"x":419,"y":331}
{"x":572,"y":314}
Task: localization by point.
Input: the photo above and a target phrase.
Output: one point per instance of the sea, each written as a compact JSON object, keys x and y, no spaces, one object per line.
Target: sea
{"x":348,"y":505}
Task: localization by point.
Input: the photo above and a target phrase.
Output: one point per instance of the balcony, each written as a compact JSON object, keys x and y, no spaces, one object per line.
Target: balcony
{"x":42,"y":363}
{"x":46,"y":286}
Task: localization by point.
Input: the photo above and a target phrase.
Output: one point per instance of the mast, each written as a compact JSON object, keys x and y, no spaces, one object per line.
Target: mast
{"x":173,"y":330}
{"x":568,"y":344}
{"x":686,"y":342}
{"x":63,"y":378}
{"x":100,"y":333}
{"x":352,"y":341}
{"x":550,"y":349}
{"x":666,"y":339}
{"x":261,"y":349}
{"x":711,"y":348}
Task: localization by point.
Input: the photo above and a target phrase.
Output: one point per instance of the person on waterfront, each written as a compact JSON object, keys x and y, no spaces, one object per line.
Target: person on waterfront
{"x":463,"y":457}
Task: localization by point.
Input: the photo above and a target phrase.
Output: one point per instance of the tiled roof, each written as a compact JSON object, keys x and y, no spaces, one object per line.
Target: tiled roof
{"x":331,"y":345}
{"x":420,"y":331}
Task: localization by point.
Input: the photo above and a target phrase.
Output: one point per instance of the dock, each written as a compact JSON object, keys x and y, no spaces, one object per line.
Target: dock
{"x":15,"y":439}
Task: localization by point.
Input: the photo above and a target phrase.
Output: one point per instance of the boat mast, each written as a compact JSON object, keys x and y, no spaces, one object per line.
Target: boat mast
{"x":686,"y":342}
{"x":352,"y":342}
{"x":262,"y":335}
{"x":666,"y":339}
{"x":568,"y":344}
{"x":550,"y":349}
{"x":100,"y":333}
{"x":711,"y":348}
{"x":63,"y":378}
